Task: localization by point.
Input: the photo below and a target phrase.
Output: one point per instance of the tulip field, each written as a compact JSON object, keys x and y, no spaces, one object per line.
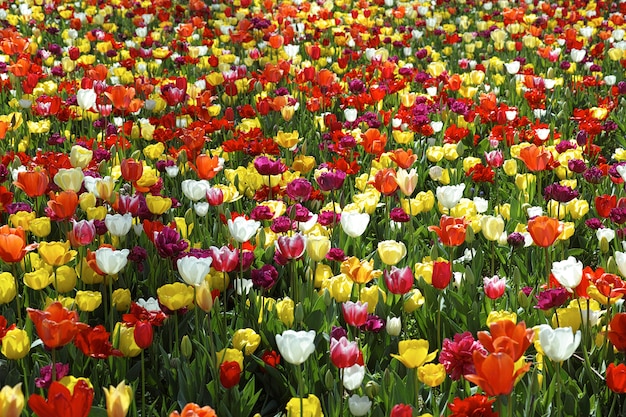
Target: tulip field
{"x":241,"y":208}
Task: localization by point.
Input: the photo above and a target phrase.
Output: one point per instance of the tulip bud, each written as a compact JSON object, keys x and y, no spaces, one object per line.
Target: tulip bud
{"x":186,"y":348}
{"x":329,"y":380}
{"x":611,"y":265}
{"x":372,"y":388}
{"x":299,"y":313}
{"x":604,"y":245}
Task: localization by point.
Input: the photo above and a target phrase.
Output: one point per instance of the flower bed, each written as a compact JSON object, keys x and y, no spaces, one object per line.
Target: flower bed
{"x":312,"y":208}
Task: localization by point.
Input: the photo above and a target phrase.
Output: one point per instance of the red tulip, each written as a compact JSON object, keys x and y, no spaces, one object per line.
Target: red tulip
{"x":94,"y":342}
{"x":617,"y":331}
{"x":62,"y":403}
{"x":291,"y":247}
{"x":131,"y":169}
{"x":442,"y":274}
{"x":143,"y":334}
{"x":343,"y":354}
{"x":399,"y":280}
{"x":616,"y":378}
{"x":230,"y":374}
{"x":355,"y":314}
{"x":56,"y":325}
{"x":401,"y":410}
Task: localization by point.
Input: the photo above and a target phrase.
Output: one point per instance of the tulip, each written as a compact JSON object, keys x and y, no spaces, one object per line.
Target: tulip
{"x":118,"y":224}
{"x":450,"y":195}
{"x":124,"y":339}
{"x":118,"y":399}
{"x":431,"y":374}
{"x":62,"y":401}
{"x":401,"y":410}
{"x":157,"y":204}
{"x":230,"y":374}
{"x":359,"y":405}
{"x":111,"y":261}
{"x":56,"y":253}
{"x":285,"y":311}
{"x":83,"y":233}
{"x":355,"y":314}
{"x":360,"y":271}
{"x":568,"y":273}
{"x":544,"y":230}
{"x":193,"y":270}
{"x":317,"y":246}
{"x":11,"y":401}
{"x":291,"y":247}
{"x":305,"y":407}
{"x":414,"y":353}
{"x":391,"y":252}
{"x":442,"y":274}
{"x":354,"y":224}
{"x":80,"y":157}
{"x":617,"y":331}
{"x":175,"y":296}
{"x":69,"y":179}
{"x":406,"y":180}
{"x":495,"y":373}
{"x":143,"y":334}
{"x":353,"y":376}
{"x":88,"y":300}
{"x":494,"y":286}
{"x":508,"y":337}
{"x":296,"y":347}
{"x":246,"y":340}
{"x":56,"y":325}
{"x":492,"y":227}
{"x":399,"y":280}
{"x":194,"y":410}
{"x":15,"y":345}
{"x":8,"y":287}
{"x":343,"y":353}
{"x":558,"y":344}
{"x":615,"y":378}
{"x":242,"y":229}
{"x":451,"y":231}
{"x":224,"y":259}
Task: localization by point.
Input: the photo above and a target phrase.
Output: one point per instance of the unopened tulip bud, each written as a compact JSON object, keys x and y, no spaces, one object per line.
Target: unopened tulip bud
{"x":372,"y":388}
{"x":299,"y":313}
{"x":329,"y":380}
{"x":186,"y":348}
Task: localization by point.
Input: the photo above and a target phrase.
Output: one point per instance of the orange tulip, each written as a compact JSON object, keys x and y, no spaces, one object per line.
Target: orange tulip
{"x":385,"y":181}
{"x":123,"y":99}
{"x":33,"y":183}
{"x":4,"y":126}
{"x":56,"y":325}
{"x":544,"y":230}
{"x":63,"y":205}
{"x":12,"y":244}
{"x":536,"y":158}
{"x":207,"y":167}
{"x":495,"y":373}
{"x":374,"y":142}
{"x":404,"y":159}
{"x":451,"y":231}
{"x":507,"y":337}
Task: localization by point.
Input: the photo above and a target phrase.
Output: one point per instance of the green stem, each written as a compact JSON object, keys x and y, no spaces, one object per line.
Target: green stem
{"x":143,"y":385}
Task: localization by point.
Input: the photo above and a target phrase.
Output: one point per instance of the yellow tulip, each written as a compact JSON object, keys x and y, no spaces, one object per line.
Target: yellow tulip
{"x":414,"y":353}
{"x":118,"y":399}
{"x":176,"y":296}
{"x":11,"y":401}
